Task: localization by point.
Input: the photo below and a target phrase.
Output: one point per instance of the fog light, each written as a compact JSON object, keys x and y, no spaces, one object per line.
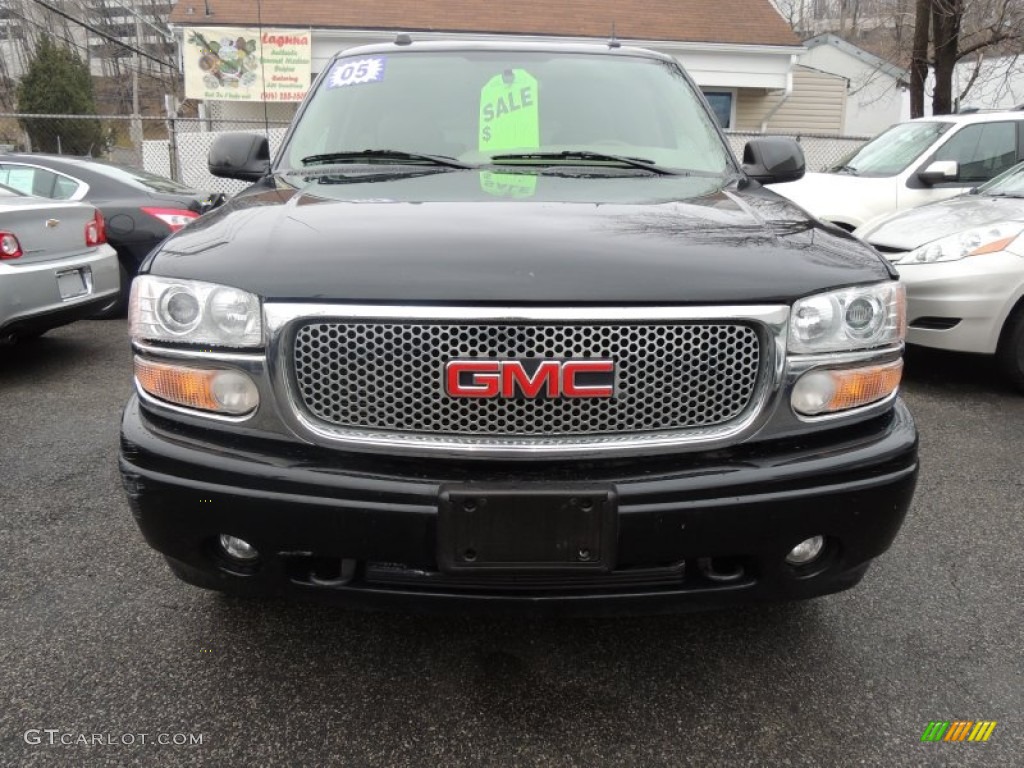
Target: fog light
{"x":807,"y":551}
{"x":239,"y":550}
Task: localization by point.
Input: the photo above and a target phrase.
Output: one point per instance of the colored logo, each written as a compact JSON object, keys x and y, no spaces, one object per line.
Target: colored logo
{"x":958,"y":730}
{"x":530,"y":379}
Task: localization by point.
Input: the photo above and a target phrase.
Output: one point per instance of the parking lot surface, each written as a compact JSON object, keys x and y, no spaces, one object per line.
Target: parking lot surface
{"x":98,"y":639}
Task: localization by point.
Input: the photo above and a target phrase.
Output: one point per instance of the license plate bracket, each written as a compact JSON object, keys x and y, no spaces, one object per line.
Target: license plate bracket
{"x":526,"y":528}
{"x":73,"y":283}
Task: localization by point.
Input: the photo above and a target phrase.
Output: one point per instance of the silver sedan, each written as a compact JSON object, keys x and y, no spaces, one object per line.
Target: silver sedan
{"x":962,"y":261}
{"x":55,"y":264}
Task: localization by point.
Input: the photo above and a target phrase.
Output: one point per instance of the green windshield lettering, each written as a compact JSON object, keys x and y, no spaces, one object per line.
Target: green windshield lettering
{"x":509,"y":112}
{"x":508,"y":184}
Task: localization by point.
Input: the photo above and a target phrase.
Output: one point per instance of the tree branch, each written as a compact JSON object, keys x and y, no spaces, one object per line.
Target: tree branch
{"x":996,"y":37}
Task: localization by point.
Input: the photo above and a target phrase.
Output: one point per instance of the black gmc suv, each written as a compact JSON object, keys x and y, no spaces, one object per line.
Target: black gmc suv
{"x":507,"y":327}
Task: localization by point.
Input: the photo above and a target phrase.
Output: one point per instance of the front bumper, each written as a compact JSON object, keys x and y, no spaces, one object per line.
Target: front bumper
{"x":693,"y":531}
{"x":962,"y":305}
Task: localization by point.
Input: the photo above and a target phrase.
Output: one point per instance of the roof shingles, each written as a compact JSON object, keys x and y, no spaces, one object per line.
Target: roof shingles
{"x":744,"y":22}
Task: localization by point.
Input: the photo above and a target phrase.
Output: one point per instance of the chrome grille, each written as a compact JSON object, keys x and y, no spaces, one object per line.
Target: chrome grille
{"x":388,"y":376}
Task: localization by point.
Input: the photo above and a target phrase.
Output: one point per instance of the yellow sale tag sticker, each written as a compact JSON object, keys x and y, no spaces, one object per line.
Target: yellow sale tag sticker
{"x":509,"y":112}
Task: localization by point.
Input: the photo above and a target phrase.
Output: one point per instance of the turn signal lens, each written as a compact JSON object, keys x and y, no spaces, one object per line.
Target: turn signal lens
{"x":220,"y":391}
{"x":827,"y":391}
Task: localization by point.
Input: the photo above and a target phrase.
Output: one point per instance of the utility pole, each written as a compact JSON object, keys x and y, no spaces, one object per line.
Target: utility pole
{"x":136,"y":126}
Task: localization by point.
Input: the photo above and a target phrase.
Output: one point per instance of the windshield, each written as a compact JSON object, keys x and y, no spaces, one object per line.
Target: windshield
{"x":1007,"y":184}
{"x":891,"y":152}
{"x":473,"y":106}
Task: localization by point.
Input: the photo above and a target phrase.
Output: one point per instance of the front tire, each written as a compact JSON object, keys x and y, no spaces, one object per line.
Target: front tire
{"x":1010,"y":354}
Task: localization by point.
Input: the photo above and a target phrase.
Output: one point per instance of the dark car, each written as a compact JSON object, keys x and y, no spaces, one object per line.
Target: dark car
{"x":508,"y":327}
{"x":140,"y":208}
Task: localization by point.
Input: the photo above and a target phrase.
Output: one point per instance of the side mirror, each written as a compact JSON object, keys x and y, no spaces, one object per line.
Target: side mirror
{"x":243,"y":156}
{"x":940,"y":171}
{"x":773,"y":160}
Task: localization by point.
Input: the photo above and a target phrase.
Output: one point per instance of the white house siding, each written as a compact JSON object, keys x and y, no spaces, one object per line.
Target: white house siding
{"x":875,"y":99}
{"x":817,"y":104}
{"x":999,"y":85}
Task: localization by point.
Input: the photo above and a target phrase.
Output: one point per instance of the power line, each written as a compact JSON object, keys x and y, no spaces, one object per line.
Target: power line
{"x":103,"y":34}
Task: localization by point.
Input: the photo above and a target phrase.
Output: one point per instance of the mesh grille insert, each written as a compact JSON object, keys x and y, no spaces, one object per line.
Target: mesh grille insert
{"x":388,"y":377}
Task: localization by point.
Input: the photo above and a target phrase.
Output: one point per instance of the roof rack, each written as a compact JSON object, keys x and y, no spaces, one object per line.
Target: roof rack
{"x":988,"y":110}
{"x":613,"y":41}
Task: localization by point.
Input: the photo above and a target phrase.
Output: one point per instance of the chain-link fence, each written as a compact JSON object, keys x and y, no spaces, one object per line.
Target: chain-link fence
{"x":821,"y":152}
{"x":177,"y":147}
{"x":173,"y":147}
{"x":183,"y":155}
{"x":118,"y":138}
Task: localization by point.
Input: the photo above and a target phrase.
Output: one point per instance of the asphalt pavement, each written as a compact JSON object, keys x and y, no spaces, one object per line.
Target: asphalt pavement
{"x":106,"y":659}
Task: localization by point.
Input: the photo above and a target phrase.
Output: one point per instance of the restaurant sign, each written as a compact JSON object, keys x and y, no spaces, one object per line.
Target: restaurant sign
{"x":246,"y":64}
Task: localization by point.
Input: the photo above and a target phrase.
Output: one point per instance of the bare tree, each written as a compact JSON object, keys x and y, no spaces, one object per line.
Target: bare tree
{"x":919,"y":57}
{"x":961,"y":29}
{"x":945,"y":33}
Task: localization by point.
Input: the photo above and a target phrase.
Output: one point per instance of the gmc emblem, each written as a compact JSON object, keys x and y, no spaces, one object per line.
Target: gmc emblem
{"x":530,"y":379}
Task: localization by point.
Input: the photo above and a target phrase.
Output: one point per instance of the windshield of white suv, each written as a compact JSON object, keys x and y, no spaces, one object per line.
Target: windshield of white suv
{"x":1007,"y":184}
{"x":891,"y":152}
{"x":493,"y":108}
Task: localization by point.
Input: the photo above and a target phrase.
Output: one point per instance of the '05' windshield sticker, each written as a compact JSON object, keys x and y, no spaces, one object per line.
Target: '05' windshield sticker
{"x":509,"y":112}
{"x":358,"y":72}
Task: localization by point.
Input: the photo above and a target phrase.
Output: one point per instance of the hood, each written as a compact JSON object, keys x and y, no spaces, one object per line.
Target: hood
{"x":809,"y":188}
{"x":842,"y":197}
{"x":481,"y":237}
{"x":914,"y":228}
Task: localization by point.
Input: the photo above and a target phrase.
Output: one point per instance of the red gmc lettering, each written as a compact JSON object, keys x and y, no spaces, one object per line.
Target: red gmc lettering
{"x":573,"y":367}
{"x":513,"y":372}
{"x":485,"y":382}
{"x":510,"y":378}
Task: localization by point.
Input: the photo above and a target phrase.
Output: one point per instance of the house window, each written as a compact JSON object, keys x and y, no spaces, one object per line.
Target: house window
{"x":722,"y":104}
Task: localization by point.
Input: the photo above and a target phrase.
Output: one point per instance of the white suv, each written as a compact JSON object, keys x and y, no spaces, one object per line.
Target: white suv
{"x":912,"y":163}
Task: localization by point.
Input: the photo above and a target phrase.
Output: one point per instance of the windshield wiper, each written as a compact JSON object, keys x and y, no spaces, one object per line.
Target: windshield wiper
{"x":846,"y":169}
{"x":587,"y":157}
{"x":1015,"y":195}
{"x":384,"y":154}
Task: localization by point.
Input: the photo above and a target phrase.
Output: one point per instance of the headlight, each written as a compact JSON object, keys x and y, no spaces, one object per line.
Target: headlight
{"x":850,"y":319}
{"x":974,"y":242}
{"x":191,"y":312}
